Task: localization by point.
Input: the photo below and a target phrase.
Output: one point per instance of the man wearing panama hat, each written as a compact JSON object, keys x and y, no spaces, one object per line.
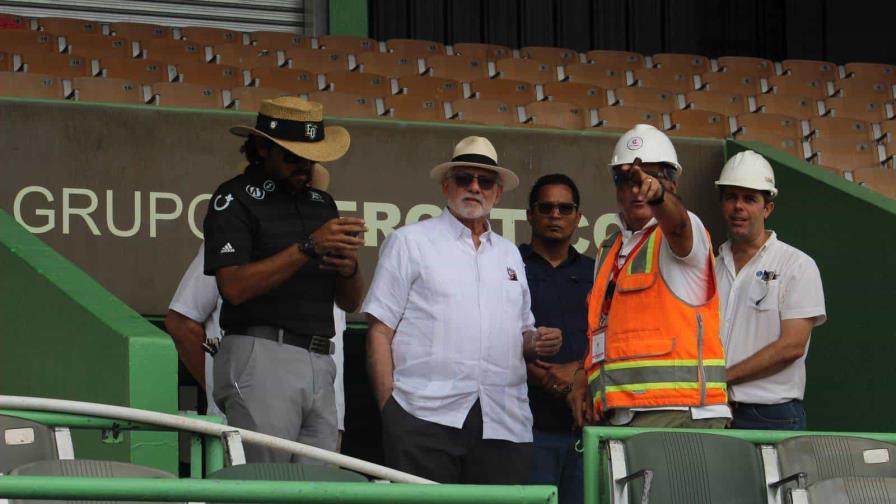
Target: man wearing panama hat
{"x":447,"y":309}
{"x":281,"y":256}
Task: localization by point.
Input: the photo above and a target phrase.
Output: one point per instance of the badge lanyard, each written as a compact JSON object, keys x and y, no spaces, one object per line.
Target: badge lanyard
{"x":614,"y":275}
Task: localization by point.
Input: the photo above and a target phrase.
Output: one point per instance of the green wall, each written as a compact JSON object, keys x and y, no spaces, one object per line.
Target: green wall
{"x":64,"y":336}
{"x":348,"y":17}
{"x":849,"y":231}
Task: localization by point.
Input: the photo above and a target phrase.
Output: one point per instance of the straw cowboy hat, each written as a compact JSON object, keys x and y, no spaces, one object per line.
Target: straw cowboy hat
{"x":297,"y":126}
{"x":477,"y":152}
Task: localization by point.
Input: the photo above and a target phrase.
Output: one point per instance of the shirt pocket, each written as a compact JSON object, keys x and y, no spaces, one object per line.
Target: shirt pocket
{"x":763,"y":295}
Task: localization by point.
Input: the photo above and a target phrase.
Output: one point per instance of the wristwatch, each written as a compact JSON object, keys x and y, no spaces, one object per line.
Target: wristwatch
{"x":306,"y":246}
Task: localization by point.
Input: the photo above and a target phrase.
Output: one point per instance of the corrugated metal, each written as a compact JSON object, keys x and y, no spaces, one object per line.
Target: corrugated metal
{"x":295,"y":16}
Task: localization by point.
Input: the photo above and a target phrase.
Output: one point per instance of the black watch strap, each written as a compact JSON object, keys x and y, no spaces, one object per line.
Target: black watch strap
{"x":306,"y":246}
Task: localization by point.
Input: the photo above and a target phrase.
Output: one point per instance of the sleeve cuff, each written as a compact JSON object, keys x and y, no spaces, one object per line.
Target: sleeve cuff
{"x":381,"y":314}
{"x":817,"y":313}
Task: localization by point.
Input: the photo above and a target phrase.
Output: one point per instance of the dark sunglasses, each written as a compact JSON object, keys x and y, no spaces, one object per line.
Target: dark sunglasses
{"x":562,"y":208}
{"x":465,"y":180}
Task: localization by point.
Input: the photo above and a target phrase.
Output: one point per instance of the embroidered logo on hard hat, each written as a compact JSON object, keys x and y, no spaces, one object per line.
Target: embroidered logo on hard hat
{"x":269,"y":185}
{"x":255,"y":192}
{"x":635,"y":143}
{"x":221,"y":206}
{"x":511,"y":274}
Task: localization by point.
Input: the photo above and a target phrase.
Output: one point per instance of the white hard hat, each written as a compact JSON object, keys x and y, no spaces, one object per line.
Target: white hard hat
{"x":646,"y":142}
{"x":748,"y":169}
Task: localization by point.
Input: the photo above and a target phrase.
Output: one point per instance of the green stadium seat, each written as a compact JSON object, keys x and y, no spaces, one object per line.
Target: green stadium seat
{"x":23,"y":442}
{"x":288,"y":472}
{"x":823,"y":457}
{"x":854,"y":490}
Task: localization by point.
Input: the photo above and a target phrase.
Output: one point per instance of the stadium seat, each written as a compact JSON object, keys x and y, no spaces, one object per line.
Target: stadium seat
{"x":89,"y":469}
{"x":137,"y":70}
{"x":584,"y":95}
{"x":557,"y":114}
{"x":414,"y":108}
{"x":65,"y":66}
{"x":881,"y":180}
{"x":843,"y":155}
{"x":173,"y":51}
{"x":98,"y":46}
{"x":24,"y":441}
{"x":660,"y":100}
{"x":746,"y":66}
{"x":682,"y":63}
{"x":279,"y":40}
{"x":462,"y":68}
{"x":856,"y":108}
{"x":178,"y":94}
{"x":7,"y":62}
{"x":790,"y":145}
{"x":555,"y":56}
{"x":245,"y":56}
{"x":624,"y":118}
{"x":678,"y":467}
{"x":388,"y":64}
{"x":412,"y":48}
{"x":854,"y":490}
{"x":728,"y":82}
{"x":68,"y":26}
{"x":248,"y":99}
{"x":873,"y":88}
{"x":888,"y":131}
{"x":317,"y":60}
{"x":616,"y":60}
{"x":208,"y":36}
{"x":793,"y":106}
{"x":434,"y":88}
{"x":288,"y":79}
{"x":877,"y":71}
{"x":823,"y":457}
{"x":531,"y":71}
{"x":810,"y":69}
{"x":348,"y":44}
{"x":511,"y":92}
{"x":364,"y":84}
{"x":841,"y":128}
{"x":594,"y":74}
{"x":140,"y":31}
{"x":699,"y":123}
{"x":492,"y":112}
{"x":715,"y":101}
{"x":795,"y":85}
{"x":482,"y":52}
{"x":288,"y":472}
{"x":99,"y":89}
{"x":662,"y":78}
{"x":347,"y":104}
{"x":27,"y":41}
{"x":770,"y":124}
{"x":217,"y":76}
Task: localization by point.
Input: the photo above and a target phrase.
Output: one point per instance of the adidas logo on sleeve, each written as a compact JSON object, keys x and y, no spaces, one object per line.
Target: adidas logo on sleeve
{"x":227,"y":249}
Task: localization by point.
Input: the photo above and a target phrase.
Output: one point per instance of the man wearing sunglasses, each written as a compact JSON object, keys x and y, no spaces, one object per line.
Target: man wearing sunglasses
{"x":447,"y":309}
{"x":559,"y":279}
{"x":281,"y":256}
{"x":655,"y":357}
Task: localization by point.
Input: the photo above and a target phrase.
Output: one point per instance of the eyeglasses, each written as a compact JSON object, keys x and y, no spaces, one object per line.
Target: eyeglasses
{"x":548,"y":208}
{"x":465,"y":180}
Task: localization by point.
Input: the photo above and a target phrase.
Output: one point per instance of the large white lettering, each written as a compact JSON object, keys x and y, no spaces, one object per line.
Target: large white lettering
{"x":581,"y":245}
{"x":508,"y":217}
{"x":110,"y":211}
{"x":417,"y":212}
{"x":84,"y":213}
{"x":372,"y":211}
{"x":191,"y":214}
{"x":50,"y":214}
{"x":155,"y":216}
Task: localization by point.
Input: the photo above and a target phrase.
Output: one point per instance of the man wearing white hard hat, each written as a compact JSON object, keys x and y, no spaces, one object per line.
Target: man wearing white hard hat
{"x":449,"y":324}
{"x":771,"y":298}
{"x":655,"y":357}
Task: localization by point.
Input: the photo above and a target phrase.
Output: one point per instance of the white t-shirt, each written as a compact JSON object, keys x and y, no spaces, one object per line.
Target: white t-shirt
{"x":753,"y":308}
{"x":458,"y":313}
{"x":197,"y":298}
{"x":687,"y":277}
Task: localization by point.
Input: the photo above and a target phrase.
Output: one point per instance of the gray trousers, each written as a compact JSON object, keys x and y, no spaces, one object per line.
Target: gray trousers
{"x":276,"y":389}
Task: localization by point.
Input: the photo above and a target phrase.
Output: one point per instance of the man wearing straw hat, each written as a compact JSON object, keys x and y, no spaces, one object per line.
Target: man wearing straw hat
{"x":281,"y":256}
{"x":447,"y":309}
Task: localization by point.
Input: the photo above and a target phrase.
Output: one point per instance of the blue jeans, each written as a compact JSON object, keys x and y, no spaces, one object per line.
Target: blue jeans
{"x":555,"y":461}
{"x":784,"y":416}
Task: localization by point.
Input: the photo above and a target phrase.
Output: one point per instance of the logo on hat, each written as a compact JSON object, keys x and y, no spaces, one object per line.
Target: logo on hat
{"x":311,"y":130}
{"x":273,"y":124}
{"x":255,"y":192}
{"x":635,"y":143}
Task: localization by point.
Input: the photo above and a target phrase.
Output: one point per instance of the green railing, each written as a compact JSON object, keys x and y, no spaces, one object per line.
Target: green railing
{"x":595,"y":465}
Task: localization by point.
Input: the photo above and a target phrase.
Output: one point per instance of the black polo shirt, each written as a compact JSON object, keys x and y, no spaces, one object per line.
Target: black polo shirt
{"x":251,"y":217}
{"x":558,"y":300}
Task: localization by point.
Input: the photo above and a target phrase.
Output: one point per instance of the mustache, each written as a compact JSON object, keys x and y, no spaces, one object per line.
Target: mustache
{"x":472,"y":196}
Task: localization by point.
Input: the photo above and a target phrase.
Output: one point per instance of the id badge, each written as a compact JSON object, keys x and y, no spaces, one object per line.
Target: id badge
{"x":599,"y":346}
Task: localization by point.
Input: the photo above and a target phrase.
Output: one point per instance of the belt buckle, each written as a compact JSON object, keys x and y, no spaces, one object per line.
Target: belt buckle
{"x":320,"y":345}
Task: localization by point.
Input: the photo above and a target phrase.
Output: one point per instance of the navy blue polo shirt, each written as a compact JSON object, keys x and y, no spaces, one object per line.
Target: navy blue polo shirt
{"x":558,"y":300}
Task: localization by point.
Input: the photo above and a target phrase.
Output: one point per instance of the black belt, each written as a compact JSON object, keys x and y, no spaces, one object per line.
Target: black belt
{"x":316,"y":344}
{"x":736,"y":404}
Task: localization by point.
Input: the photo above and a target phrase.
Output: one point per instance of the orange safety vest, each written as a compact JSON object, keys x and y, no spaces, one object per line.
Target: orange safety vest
{"x":660,"y":351}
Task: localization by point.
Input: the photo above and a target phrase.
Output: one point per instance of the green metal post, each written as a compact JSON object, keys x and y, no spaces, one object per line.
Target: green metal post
{"x":190,"y":490}
{"x":74,"y":421}
{"x":214,"y":455}
{"x":591,"y":461}
{"x":195,"y":456}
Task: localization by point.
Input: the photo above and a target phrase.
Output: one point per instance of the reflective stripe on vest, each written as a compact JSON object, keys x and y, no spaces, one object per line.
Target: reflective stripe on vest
{"x":660,"y":350}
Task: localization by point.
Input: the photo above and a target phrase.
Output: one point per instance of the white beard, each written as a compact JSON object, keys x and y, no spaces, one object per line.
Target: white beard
{"x":469,"y":210}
